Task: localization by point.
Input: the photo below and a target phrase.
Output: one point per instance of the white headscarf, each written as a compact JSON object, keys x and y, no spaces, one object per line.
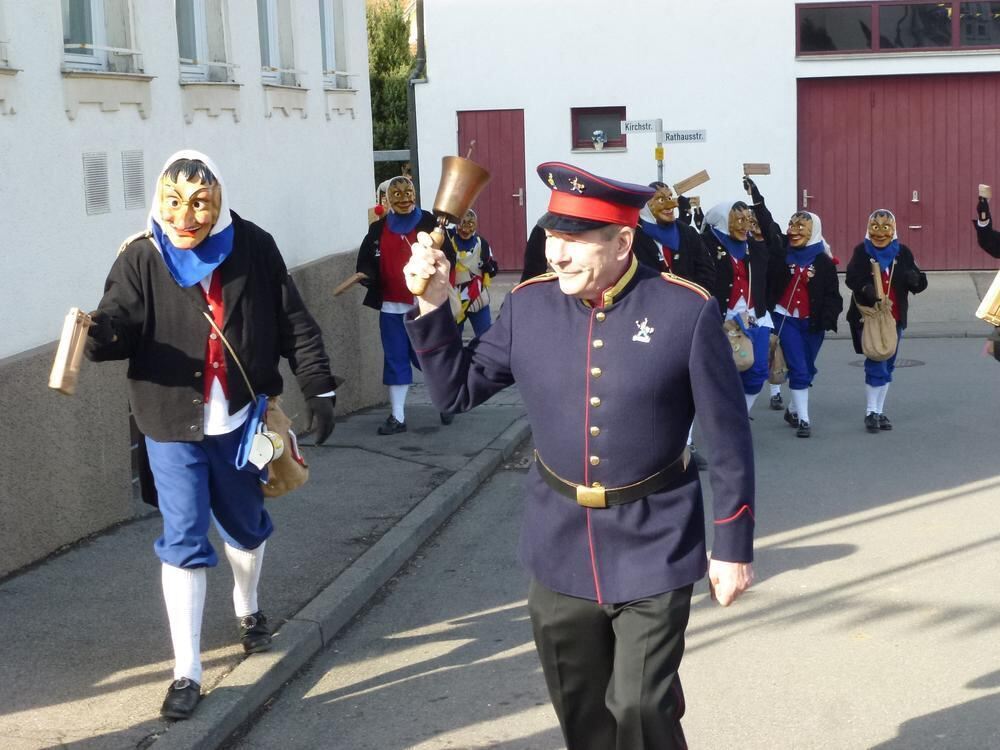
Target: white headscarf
{"x":718,"y":215}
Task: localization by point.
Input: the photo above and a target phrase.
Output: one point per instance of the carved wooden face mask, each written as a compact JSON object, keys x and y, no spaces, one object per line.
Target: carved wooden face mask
{"x":800,"y":229}
{"x":739,"y":223}
{"x":402,"y":197}
{"x":468,"y":226}
{"x":662,"y":205}
{"x":881,"y":229}
{"x":189,"y":210}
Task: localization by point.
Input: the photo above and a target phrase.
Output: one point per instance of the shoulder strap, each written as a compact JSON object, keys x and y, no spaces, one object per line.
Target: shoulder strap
{"x":236,"y":359}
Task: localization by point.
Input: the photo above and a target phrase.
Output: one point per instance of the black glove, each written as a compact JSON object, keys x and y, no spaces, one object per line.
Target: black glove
{"x":684,"y":209}
{"x":101,"y":329}
{"x":983,"y":210}
{"x":751,"y":187}
{"x":912,"y":278}
{"x":320,"y":417}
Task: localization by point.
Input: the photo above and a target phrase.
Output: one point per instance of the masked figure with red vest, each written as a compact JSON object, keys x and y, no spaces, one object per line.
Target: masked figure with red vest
{"x":883,"y":253}
{"x":383,"y":253}
{"x":188,"y":397}
{"x":806,"y":303}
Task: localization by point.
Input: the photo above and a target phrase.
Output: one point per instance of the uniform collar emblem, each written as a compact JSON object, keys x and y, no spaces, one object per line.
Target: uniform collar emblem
{"x":644,"y":330}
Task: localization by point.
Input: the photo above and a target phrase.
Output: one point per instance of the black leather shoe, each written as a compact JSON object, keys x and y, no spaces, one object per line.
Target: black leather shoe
{"x":871,"y":422}
{"x":699,"y":460}
{"x":884,"y":423}
{"x":182,"y":698}
{"x":447,"y":418}
{"x":804,"y":429}
{"x":391,"y":426}
{"x":776,"y":403}
{"x":255,"y":635}
{"x":792,"y":419}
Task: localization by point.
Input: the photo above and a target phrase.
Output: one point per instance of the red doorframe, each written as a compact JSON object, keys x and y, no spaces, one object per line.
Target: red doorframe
{"x":499,"y":147}
{"x":867,"y":143}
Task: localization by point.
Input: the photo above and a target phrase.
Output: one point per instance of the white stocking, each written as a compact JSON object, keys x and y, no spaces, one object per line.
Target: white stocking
{"x":881,"y":398}
{"x":397,"y":399}
{"x":246,"y":565}
{"x":691,"y":434}
{"x":750,"y":397}
{"x":800,"y":400}
{"x":775,"y":389}
{"x":184,"y":595}
{"x":871,"y":395}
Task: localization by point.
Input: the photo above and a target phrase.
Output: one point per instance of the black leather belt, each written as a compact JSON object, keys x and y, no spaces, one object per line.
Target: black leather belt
{"x":598,"y":496}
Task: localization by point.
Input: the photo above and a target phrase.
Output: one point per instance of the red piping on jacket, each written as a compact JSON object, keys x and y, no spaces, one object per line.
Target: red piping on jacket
{"x":736,"y":515}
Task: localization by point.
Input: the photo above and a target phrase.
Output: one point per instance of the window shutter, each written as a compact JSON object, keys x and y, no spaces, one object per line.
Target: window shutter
{"x":96,"y":190}
{"x":134,"y":177}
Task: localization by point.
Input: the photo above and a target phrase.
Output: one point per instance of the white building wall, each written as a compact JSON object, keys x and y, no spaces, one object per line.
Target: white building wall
{"x":306,"y":180}
{"x":725,"y":66}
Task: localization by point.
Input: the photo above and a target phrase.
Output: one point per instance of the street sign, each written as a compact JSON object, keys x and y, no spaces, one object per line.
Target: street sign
{"x":685,"y":136}
{"x":641,"y":126}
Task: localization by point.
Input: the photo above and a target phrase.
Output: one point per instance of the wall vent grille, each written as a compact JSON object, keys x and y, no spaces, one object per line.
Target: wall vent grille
{"x":134,"y":176}
{"x":96,"y":188}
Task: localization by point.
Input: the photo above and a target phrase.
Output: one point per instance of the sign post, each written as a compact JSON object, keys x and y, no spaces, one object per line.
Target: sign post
{"x":648,"y":126}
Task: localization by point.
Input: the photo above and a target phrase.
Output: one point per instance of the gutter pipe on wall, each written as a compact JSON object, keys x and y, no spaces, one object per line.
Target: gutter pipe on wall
{"x":418,"y":74}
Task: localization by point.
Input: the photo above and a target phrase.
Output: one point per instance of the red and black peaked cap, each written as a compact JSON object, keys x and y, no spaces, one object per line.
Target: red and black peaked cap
{"x":581,"y":201}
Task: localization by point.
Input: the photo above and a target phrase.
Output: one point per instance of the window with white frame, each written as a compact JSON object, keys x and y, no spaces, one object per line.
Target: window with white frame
{"x":99,"y":35}
{"x":201,"y":40}
{"x":277,"y":54}
{"x":331,"y":27}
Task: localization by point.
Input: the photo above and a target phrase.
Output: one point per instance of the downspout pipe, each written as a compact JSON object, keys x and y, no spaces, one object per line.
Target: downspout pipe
{"x":418,"y":74}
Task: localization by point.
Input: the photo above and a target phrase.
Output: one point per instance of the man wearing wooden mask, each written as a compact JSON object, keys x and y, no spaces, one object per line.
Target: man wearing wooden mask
{"x":189,"y":399}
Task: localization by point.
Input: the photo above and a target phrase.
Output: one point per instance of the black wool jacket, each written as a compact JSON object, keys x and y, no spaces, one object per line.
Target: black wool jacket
{"x":907,"y":278}
{"x":691,"y":260}
{"x":722,"y":285}
{"x":159,"y":327}
{"x":370,"y":253}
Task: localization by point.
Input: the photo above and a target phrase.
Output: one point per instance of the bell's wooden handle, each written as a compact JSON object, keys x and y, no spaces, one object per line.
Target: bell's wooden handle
{"x":418,"y":285}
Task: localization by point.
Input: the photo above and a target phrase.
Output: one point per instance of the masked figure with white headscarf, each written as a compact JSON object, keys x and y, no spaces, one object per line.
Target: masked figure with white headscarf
{"x":188,"y":397}
{"x":806,"y":303}
{"x":740,"y":285}
{"x":883,"y":253}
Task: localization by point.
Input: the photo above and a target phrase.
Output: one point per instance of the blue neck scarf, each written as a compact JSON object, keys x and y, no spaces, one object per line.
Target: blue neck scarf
{"x":403,"y":223}
{"x":668,"y":235}
{"x":804,"y":256}
{"x":737,"y":249}
{"x":886,"y":255}
{"x":466,"y":246}
{"x":188,"y":267}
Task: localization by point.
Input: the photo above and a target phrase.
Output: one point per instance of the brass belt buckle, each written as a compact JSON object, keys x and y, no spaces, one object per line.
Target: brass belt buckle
{"x":591,"y":497}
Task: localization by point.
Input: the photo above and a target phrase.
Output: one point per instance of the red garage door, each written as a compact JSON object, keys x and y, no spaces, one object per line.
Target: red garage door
{"x":917,"y":145}
{"x":499,"y":147}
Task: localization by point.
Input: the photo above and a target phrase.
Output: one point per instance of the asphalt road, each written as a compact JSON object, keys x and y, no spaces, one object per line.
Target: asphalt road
{"x":874,"y":622}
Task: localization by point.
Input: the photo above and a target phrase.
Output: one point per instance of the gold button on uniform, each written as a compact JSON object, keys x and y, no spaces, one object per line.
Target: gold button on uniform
{"x":595,"y":460}
{"x":597,"y":485}
{"x":598,"y":343}
{"x":595,"y":431}
{"x":600,"y":317}
{"x":595,"y":401}
{"x":595,"y":371}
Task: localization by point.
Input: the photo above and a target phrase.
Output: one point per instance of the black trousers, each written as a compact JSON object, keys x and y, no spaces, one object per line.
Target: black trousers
{"x":611,"y":669}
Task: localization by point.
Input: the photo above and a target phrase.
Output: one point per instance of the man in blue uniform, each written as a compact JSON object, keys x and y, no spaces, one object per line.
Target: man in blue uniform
{"x":612,"y":359}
